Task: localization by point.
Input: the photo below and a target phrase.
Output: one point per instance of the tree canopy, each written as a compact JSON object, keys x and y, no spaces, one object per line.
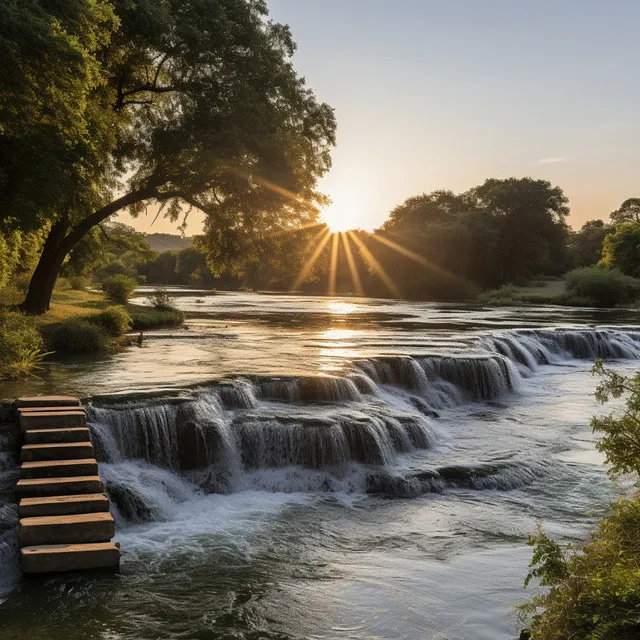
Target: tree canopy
{"x":181,"y":103}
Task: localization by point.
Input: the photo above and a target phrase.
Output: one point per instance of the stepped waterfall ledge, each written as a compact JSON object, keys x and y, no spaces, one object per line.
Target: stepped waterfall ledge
{"x":326,"y":433}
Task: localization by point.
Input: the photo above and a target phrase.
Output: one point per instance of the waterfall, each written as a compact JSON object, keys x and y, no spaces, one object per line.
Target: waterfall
{"x":326,"y":433}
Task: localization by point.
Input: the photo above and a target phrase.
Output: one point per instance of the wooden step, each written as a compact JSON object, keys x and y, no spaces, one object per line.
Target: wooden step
{"x":56,"y":451}
{"x":69,"y":557}
{"x":59,"y":468}
{"x":52,"y":419}
{"x":29,"y":410}
{"x":41,"y":487}
{"x":72,"y":434}
{"x":63,"y":505}
{"x":47,"y":401}
{"x":70,"y":529}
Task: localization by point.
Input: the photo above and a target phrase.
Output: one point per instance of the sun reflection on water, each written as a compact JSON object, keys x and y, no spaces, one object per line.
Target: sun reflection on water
{"x":339,"y":308}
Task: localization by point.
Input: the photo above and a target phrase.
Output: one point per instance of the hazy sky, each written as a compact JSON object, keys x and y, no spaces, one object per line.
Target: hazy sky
{"x":441,"y":94}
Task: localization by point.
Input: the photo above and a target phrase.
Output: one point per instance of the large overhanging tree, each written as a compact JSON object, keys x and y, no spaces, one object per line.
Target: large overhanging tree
{"x":184,"y":103}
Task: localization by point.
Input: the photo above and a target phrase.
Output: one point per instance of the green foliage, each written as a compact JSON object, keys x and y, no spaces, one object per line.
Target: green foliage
{"x":79,"y":283}
{"x":161,"y":300}
{"x":620,"y":436}
{"x":629,"y":211}
{"x":505,"y":296}
{"x":246,"y":140}
{"x":502,"y":231}
{"x":53,"y":135}
{"x":594,"y":593}
{"x":20,"y":346}
{"x":602,"y":287}
{"x":585,"y":245}
{"x":145,"y":318}
{"x":77,"y":335}
{"x":119,"y":288}
{"x":548,"y":564}
{"x":115,"y":320}
{"x":621,"y":249}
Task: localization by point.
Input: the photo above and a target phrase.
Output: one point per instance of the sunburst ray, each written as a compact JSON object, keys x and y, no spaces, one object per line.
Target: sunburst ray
{"x":308,"y":265}
{"x":384,"y":276}
{"x":353,"y":268}
{"x":333,"y":264}
{"x":416,"y":257}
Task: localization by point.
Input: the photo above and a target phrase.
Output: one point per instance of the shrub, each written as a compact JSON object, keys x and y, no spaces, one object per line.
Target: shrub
{"x":594,"y":592}
{"x":149,"y":318}
{"x":119,"y":288}
{"x":115,"y":320}
{"x":76,"y":335}
{"x":507,"y":295}
{"x":79,"y":283}
{"x":602,"y":287}
{"x":161,"y":300}
{"x":20,"y":346}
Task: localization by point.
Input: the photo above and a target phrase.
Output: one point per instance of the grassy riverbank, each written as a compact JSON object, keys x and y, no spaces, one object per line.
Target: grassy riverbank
{"x":77,"y":322}
{"x":585,"y":287}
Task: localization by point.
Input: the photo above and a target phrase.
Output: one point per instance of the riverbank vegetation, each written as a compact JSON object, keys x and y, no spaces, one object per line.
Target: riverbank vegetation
{"x":593,"y":592}
{"x":78,"y":322}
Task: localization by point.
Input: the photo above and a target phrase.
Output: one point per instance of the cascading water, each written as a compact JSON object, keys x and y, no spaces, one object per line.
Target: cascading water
{"x":325,"y":433}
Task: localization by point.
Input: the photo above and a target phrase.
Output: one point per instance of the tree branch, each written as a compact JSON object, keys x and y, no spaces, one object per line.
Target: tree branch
{"x":98,"y":216}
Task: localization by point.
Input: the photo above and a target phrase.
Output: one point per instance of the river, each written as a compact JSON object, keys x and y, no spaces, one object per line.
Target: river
{"x":287,"y":467}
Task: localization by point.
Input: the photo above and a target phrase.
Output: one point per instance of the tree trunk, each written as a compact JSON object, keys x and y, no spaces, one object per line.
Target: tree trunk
{"x":62,"y":239}
{"x":46,"y":273}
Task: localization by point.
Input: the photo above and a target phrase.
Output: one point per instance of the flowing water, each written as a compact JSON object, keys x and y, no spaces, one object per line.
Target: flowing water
{"x":293,"y":467}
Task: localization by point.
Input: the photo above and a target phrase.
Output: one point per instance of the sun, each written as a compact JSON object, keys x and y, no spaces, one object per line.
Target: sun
{"x":341,"y":217}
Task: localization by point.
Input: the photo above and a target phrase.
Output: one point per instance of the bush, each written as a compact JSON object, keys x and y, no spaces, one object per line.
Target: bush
{"x":594,"y":592}
{"x":119,"y":288}
{"x":79,"y":283}
{"x":76,"y":335}
{"x":507,"y":295}
{"x":161,"y":300}
{"x":20,"y":346}
{"x":115,"y":320}
{"x":149,"y":318}
{"x":602,"y":287}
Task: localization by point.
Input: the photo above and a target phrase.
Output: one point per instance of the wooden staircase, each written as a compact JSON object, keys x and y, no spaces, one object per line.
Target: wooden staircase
{"x":65,"y":524}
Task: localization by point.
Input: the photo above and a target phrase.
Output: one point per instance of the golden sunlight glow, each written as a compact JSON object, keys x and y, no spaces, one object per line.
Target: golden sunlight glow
{"x":322,"y":237}
{"x":342,"y":215}
{"x":383,"y":275}
{"x":333,"y":264}
{"x":339,"y":308}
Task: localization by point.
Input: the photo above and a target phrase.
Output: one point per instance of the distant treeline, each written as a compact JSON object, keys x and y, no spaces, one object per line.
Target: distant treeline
{"x":434,"y":246}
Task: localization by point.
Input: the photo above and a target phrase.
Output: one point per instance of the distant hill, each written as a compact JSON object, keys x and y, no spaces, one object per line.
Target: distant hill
{"x":166,"y":241}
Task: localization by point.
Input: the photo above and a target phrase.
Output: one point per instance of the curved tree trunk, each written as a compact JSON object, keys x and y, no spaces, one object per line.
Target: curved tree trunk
{"x":44,"y":277}
{"x":62,"y":239}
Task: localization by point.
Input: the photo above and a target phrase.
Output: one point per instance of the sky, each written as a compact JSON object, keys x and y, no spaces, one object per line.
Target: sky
{"x":442,"y":94}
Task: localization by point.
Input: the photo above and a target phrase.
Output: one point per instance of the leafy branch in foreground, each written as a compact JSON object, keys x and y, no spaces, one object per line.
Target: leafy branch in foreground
{"x":594,"y":593}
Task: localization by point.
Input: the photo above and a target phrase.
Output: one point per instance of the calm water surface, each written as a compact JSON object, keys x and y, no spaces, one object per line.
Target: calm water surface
{"x":294,"y":467}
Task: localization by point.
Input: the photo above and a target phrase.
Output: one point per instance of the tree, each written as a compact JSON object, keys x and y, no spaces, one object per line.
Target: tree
{"x":629,"y":211}
{"x":204,"y":110}
{"x":531,"y":217}
{"x":108,"y":248}
{"x":501,"y":231}
{"x":585,"y":245}
{"x":54,"y":137}
{"x":621,"y":249}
